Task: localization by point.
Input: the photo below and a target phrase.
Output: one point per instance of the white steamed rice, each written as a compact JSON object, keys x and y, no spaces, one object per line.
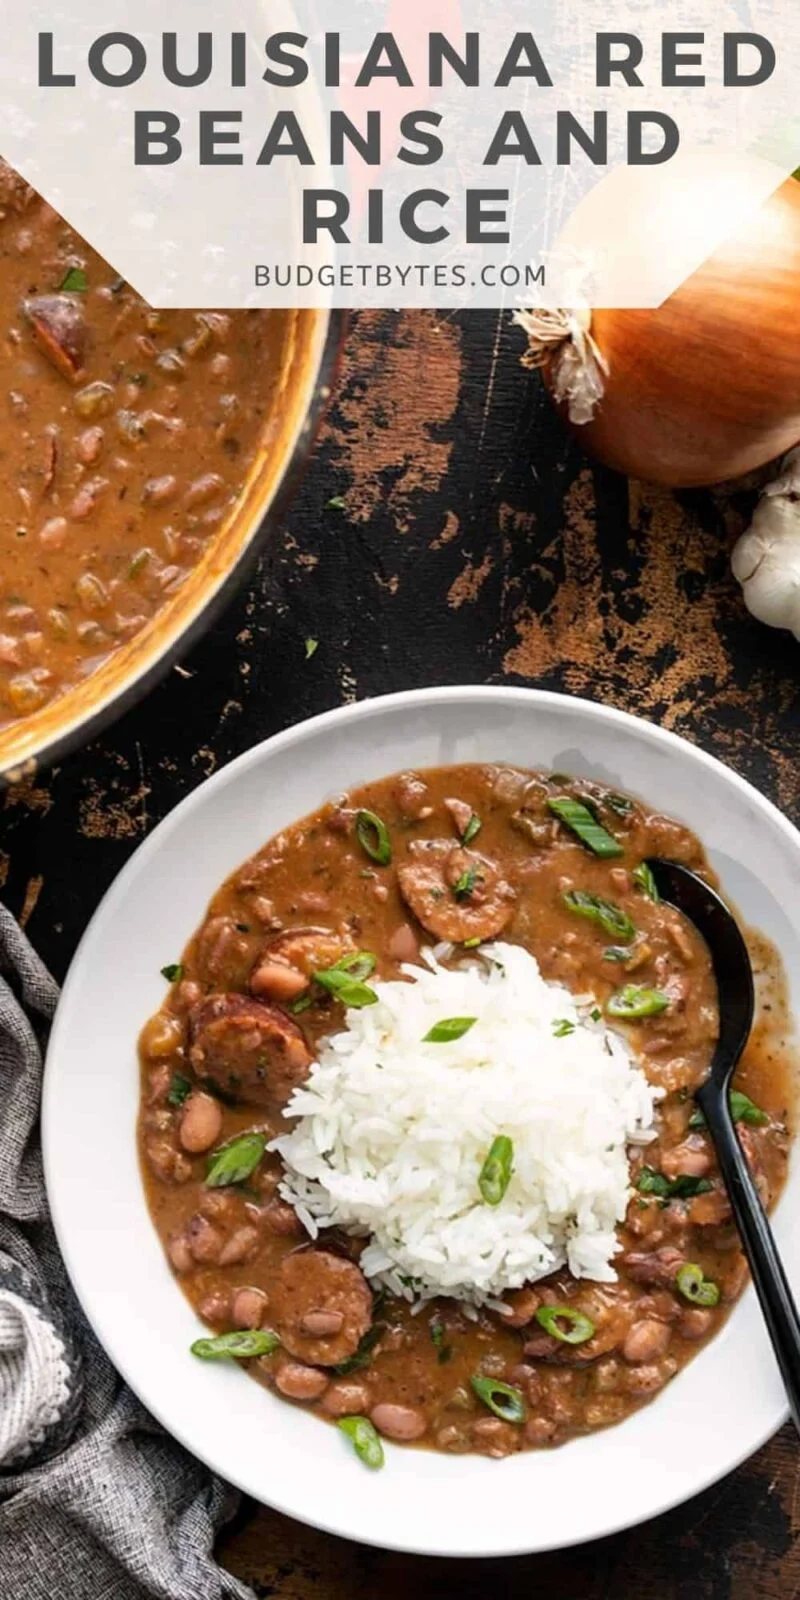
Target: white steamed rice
{"x":392,"y":1133}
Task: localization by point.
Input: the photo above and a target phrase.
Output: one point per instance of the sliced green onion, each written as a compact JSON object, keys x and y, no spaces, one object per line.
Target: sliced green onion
{"x":692,"y":1283}
{"x":578,"y":1327}
{"x":362,"y":1355}
{"x":472,"y":829}
{"x":236,"y":1160}
{"x":359,"y":964}
{"x":466,"y":883}
{"x":75,"y":282}
{"x":562,"y":1027}
{"x":618,"y":803}
{"x":495,"y":1174}
{"x":311,"y":647}
{"x":633,"y":1001}
{"x":365,"y":1441}
{"x":684,"y":1187}
{"x":472,"y":944}
{"x":742,"y":1109}
{"x":138,"y":563}
{"x":579,"y":818}
{"x":644,"y":877}
{"x":298,"y":1006}
{"x":505,"y":1401}
{"x":450,"y":1029}
{"x":345,"y":980}
{"x":444,"y":1351}
{"x":242,"y":1345}
{"x":610,"y":917}
{"x":173,"y":973}
{"x":180,"y":1089}
{"x":617,"y":952}
{"x":373,"y":837}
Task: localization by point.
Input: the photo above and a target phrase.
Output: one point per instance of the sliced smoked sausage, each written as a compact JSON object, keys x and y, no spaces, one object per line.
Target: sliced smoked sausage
{"x":248,"y":1050}
{"x":455,"y":893}
{"x":315,"y":1290}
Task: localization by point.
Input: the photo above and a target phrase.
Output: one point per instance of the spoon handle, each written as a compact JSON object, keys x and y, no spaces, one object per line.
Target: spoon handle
{"x":772,"y":1287}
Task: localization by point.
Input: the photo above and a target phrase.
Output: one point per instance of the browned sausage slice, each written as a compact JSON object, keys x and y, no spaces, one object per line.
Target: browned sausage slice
{"x":246,"y":1049}
{"x":289,"y":960}
{"x":456,"y":894}
{"x":315,"y":1291}
{"x":58,"y":325}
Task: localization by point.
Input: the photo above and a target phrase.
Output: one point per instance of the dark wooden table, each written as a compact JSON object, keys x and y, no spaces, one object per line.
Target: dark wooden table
{"x":474,"y":544}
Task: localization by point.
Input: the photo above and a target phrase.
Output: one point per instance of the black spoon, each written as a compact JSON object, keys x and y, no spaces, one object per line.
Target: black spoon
{"x":734,"y":974}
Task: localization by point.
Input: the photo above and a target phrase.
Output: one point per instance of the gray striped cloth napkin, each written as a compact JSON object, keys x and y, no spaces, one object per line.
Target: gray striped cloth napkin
{"x":96,"y":1501}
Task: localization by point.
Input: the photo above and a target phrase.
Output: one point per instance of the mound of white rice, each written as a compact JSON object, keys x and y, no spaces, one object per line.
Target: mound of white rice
{"x":393,"y":1132}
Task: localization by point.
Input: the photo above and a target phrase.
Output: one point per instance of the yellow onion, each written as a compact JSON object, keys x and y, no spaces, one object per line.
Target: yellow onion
{"x":706,"y":386}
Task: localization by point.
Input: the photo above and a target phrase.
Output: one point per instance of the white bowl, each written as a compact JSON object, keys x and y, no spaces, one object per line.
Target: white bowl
{"x":717,"y":1412}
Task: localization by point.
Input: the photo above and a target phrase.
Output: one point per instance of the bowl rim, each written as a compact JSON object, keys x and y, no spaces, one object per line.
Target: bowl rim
{"x":81,"y":729}
{"x":278,"y":743}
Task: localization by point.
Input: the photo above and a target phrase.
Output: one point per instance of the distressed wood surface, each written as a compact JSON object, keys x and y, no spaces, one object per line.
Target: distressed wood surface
{"x":474,"y":544}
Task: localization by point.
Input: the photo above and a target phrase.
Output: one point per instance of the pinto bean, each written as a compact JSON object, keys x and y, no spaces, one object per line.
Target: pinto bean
{"x":179,"y":1253}
{"x":691,"y":1158}
{"x":661,"y":1304}
{"x":205,"y":1241}
{"x":298,"y":1382}
{"x":521,"y":1306}
{"x":88,"y":446}
{"x":276,"y":980}
{"x":411,"y":795}
{"x":186,"y":995}
{"x":680,"y":938}
{"x":166,"y":1162}
{"x":606,"y":1376}
{"x":402,"y":1423}
{"x":248,"y":1049}
{"x":307,"y":1282}
{"x":201,"y":1123}
{"x":158,"y":1084}
{"x":453,"y":1439}
{"x":346,"y":1399}
{"x":429,"y":884}
{"x":695,"y":1323}
{"x":322,"y":1324}
{"x":645,"y":1341}
{"x":281,"y":1219}
{"x":404,"y":944}
{"x":239,"y":1246}
{"x":248,"y":1308}
{"x":160,"y":491}
{"x":494,"y":1438}
{"x":223,"y":951}
{"x":539,"y":1431}
{"x":222,"y":1206}
{"x":461,"y":814}
{"x":203,"y":489}
{"x":313,"y":902}
{"x":656,"y":1267}
{"x":649,"y":1379}
{"x":215,"y":1307}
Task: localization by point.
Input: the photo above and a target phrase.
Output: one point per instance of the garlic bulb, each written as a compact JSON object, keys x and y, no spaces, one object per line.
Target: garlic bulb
{"x":766,"y":560}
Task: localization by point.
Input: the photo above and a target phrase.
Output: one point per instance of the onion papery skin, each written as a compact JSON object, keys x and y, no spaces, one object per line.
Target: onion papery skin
{"x":707,"y":386}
